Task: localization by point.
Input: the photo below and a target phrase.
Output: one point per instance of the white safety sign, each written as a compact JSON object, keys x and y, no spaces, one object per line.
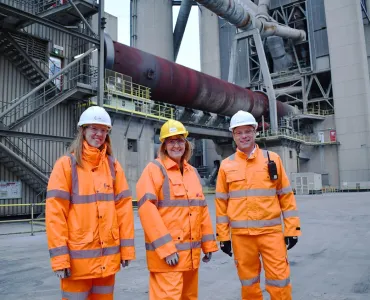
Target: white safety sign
{"x":10,"y":189}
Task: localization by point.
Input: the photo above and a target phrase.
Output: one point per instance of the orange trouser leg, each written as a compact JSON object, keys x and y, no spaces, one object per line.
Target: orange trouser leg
{"x":275,"y":262}
{"x":75,"y":289}
{"x":190,"y":286}
{"x":88,"y":289}
{"x":102,"y":288}
{"x":166,"y":285}
{"x":248,"y":265}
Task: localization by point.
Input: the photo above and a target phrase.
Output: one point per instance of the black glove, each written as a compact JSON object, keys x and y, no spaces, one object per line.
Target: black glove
{"x":226,"y":247}
{"x":290,"y":241}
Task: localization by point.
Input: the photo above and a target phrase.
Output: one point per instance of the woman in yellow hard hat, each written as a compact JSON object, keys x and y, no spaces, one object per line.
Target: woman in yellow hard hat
{"x":175,"y":218}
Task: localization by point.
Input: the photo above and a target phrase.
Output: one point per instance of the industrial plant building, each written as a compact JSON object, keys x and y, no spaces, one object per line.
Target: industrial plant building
{"x":303,"y":74}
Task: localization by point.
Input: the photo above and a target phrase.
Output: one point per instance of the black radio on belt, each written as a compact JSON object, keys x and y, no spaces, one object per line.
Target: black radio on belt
{"x":272,"y":168}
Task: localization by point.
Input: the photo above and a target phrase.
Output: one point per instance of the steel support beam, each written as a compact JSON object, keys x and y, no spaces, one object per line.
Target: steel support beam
{"x":35,"y":136}
{"x":82,"y":18}
{"x":101,"y":67}
{"x":9,"y":10}
{"x":182,"y":20}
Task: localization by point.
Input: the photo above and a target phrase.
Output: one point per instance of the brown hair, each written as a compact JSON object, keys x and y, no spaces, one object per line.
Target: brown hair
{"x":162,"y":153}
{"x":77,"y":145}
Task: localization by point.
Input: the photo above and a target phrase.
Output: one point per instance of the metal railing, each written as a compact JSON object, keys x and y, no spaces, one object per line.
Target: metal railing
{"x":45,"y":167}
{"x":292,"y":135}
{"x":32,"y":221}
{"x":120,"y":84}
{"x":320,"y":112}
{"x":74,"y":73}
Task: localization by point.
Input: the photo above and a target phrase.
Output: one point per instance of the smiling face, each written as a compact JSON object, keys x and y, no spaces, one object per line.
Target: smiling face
{"x":244,"y":137}
{"x":175,"y":147}
{"x":95,"y":134}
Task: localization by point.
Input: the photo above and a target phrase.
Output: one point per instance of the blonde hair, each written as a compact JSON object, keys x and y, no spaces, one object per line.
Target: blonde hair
{"x":77,"y":146}
{"x":162,"y":153}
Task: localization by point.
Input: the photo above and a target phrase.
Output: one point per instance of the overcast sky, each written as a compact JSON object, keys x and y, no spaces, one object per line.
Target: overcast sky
{"x":189,"y":52}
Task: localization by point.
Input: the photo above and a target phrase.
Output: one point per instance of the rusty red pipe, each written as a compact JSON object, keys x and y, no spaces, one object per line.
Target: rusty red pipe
{"x":175,"y":84}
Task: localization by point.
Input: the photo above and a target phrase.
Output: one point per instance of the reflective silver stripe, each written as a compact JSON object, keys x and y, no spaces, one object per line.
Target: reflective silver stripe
{"x":74,"y":175}
{"x":111,"y":166}
{"x":264,"y":152}
{"x":290,"y":213}
{"x":232,"y":157}
{"x":181,"y":203}
{"x":249,"y":282}
{"x":222,"y":219}
{"x":179,"y":247}
{"x":188,"y":246}
{"x":208,"y":237}
{"x":147,"y":196}
{"x":222,"y":196}
{"x":159,"y":242}
{"x":278,"y":283}
{"x":127,"y":242}
{"x":58,"y":251}
{"x":58,"y":194}
{"x":285,"y":190}
{"x":83,"y":199}
{"x":252,"y":193}
{"x":255,"y":223}
{"x":93,"y":253}
{"x":102,"y":290}
{"x":123,"y":194}
{"x":75,"y":295}
{"x":166,"y":181}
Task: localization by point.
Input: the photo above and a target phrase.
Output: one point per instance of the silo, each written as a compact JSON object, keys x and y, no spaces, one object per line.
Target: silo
{"x":153,"y":27}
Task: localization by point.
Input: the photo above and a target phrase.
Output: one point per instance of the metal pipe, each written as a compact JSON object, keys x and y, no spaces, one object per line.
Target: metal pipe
{"x":236,"y":14}
{"x":83,"y":18}
{"x":263,"y":9}
{"x":182,"y":20}
{"x":36,"y":89}
{"x":175,"y":84}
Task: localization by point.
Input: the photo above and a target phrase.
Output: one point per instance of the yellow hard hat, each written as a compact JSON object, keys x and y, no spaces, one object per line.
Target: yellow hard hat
{"x":171,"y":128}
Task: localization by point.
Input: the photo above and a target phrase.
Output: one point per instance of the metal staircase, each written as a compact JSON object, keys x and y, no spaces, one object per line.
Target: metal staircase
{"x":20,"y":49}
{"x":23,"y":166}
{"x":74,"y":84}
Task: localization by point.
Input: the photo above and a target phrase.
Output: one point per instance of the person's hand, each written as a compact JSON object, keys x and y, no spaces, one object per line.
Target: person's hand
{"x":173,"y":259}
{"x":207,"y":257}
{"x":226,"y":247}
{"x":291,"y":241}
{"x":61,"y":274}
{"x":124,"y":263}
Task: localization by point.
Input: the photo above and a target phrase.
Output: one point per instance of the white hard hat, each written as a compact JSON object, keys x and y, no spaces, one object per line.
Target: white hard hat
{"x":95,"y":115}
{"x":242,"y":118}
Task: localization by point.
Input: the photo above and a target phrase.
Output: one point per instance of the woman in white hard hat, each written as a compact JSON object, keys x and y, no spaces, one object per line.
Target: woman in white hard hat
{"x":89,"y":215}
{"x":175,"y":218}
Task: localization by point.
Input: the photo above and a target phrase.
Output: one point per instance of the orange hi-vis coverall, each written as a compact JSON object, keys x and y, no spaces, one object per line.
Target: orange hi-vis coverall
{"x":175,"y":218}
{"x":89,"y":223}
{"x":249,"y":205}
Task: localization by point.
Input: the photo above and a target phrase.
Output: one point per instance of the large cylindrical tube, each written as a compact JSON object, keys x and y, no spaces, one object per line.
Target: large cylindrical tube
{"x":175,"y":84}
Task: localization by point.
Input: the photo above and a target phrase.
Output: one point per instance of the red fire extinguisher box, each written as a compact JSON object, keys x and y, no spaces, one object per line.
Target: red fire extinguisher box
{"x":333,"y":135}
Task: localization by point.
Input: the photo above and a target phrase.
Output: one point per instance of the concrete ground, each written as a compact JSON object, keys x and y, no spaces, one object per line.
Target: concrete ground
{"x":330,"y":262}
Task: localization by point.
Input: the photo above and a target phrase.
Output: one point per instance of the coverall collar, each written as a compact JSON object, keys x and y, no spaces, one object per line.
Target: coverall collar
{"x":252,"y":155}
{"x":169,"y":163}
{"x":92,"y":155}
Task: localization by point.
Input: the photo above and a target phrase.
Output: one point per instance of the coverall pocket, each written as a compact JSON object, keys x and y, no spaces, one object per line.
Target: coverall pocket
{"x":234,"y":175}
{"x":178,"y":188}
{"x":80,"y":237}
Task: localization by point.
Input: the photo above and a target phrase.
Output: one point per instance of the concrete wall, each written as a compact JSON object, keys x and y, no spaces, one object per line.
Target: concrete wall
{"x":350,"y":79}
{"x":288,"y":156}
{"x":155,"y":27}
{"x":209,"y":43}
{"x":133,"y":161}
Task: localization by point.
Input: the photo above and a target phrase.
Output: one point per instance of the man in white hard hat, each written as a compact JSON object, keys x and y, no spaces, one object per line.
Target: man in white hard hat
{"x":252,"y":193}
